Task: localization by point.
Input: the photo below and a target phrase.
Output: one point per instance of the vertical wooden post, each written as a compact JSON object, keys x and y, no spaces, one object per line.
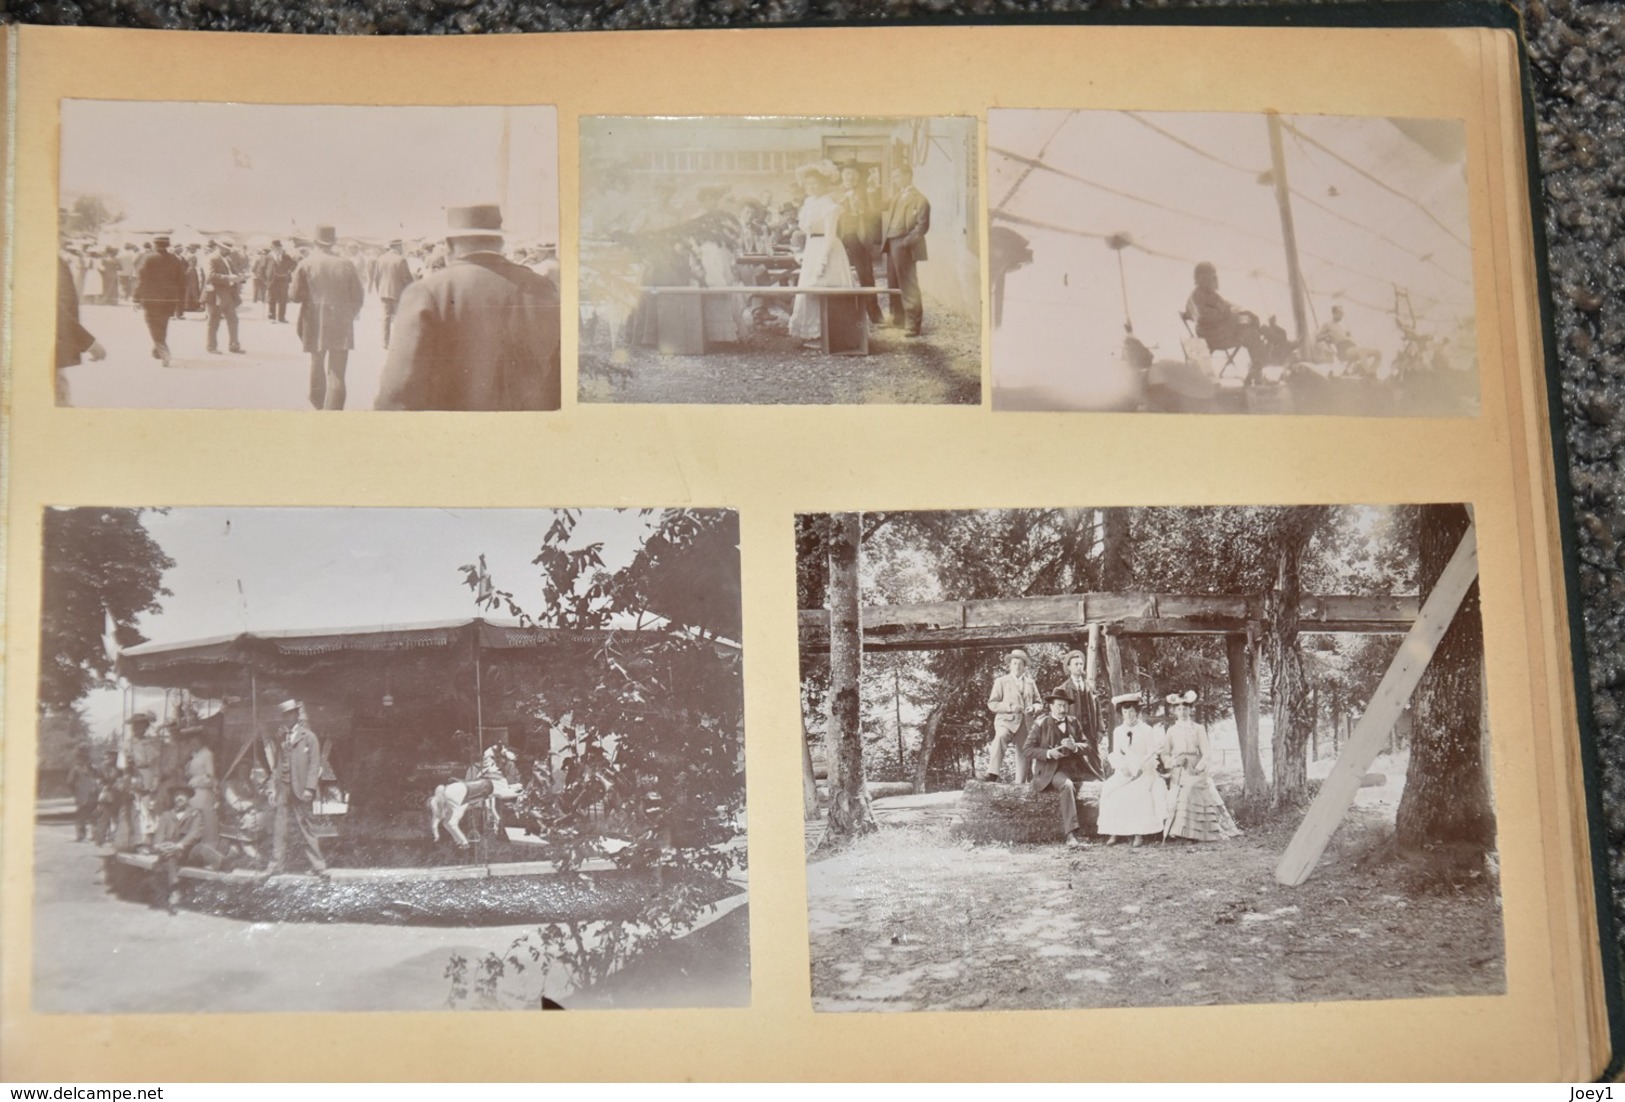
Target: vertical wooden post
{"x":1381,"y":713}
{"x":1114,"y":664}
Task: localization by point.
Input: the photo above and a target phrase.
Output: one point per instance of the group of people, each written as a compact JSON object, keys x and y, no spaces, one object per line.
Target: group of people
{"x":465,"y":328}
{"x":158,"y":793}
{"x":839,"y":229}
{"x":1155,"y":781}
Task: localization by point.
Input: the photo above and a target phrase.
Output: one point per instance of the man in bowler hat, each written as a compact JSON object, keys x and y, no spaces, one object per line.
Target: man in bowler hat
{"x":329,"y":294}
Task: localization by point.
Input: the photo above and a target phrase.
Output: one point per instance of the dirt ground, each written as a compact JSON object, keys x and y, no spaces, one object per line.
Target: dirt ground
{"x":943,"y":367}
{"x":97,"y":953}
{"x":909,"y":919}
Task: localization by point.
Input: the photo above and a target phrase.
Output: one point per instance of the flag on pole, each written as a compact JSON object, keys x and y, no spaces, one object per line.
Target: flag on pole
{"x":486,"y":587}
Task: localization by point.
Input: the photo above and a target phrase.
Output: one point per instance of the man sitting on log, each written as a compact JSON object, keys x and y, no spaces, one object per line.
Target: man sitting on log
{"x":1055,"y":751}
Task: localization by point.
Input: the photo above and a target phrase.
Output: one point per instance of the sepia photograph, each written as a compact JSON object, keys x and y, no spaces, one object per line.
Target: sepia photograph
{"x":799,"y":261}
{"x":1230,"y":263}
{"x":1135,"y":757}
{"x":277,"y":256}
{"x":389,"y":760}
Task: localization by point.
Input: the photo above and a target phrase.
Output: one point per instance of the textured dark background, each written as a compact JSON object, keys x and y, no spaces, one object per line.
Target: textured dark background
{"x":1578,"y":77}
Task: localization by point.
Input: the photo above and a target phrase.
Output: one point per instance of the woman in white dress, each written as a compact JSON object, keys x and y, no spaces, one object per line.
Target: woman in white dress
{"x":1134,"y":799}
{"x":1198,"y":813}
{"x":823,"y":261}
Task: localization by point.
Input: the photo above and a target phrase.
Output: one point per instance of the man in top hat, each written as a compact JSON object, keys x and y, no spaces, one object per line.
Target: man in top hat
{"x":1014,"y":698}
{"x":329,"y":294}
{"x":160,"y":289}
{"x":298,"y":773}
{"x":222,"y":295}
{"x":1054,"y":749}
{"x":480,"y":334}
{"x":1080,"y":705}
{"x":908,"y":219}
{"x":279,"y":268}
{"x":392,"y":276}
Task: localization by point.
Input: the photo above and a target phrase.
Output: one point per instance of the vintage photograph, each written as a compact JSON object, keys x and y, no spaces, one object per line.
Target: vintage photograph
{"x":1131,"y":757}
{"x":803,"y":261}
{"x":1230,"y":263}
{"x":389,"y":759}
{"x":274,"y":256}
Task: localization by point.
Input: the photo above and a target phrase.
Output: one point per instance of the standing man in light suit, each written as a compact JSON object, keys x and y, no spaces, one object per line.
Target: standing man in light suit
{"x":907,"y":221}
{"x":1014,"y":698}
{"x":298,"y":772}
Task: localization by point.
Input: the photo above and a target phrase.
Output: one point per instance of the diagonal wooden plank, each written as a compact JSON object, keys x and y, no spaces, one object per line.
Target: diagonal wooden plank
{"x":1371,"y":733}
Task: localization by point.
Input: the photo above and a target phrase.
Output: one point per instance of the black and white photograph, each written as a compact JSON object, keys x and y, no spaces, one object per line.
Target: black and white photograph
{"x":798,"y":261}
{"x":371,"y":759}
{"x":1136,"y":757}
{"x":278,"y":256}
{"x":1230,"y":263}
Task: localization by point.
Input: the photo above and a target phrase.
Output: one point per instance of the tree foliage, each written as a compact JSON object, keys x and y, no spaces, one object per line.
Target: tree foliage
{"x":651,"y":711}
{"x":97,"y":562}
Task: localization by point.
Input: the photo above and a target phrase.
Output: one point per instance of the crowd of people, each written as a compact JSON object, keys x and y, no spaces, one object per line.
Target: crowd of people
{"x":840,"y":228}
{"x":1155,"y":781}
{"x":477,"y":359}
{"x":158,"y":792}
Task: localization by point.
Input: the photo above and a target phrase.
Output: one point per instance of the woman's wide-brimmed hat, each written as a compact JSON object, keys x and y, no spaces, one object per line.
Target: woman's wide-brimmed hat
{"x":1122,"y":699}
{"x":288,"y":706}
{"x":1186,"y":697}
{"x":823,"y":169}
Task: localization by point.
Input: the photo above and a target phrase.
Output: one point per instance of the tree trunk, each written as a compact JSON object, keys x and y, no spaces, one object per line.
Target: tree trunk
{"x":1447,"y":792}
{"x":849,"y":812}
{"x":1116,"y":574}
{"x":1288,"y":684}
{"x":928,"y":741}
{"x":809,"y":783}
{"x":1238,"y":652}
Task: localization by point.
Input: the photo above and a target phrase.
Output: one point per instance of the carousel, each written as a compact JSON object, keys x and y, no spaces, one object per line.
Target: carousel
{"x":437,"y":759}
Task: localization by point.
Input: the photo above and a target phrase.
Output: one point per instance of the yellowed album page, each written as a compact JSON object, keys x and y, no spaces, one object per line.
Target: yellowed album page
{"x":737,"y":407}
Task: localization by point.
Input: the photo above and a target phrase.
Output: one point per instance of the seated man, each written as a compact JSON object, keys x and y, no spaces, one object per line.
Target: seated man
{"x":1336,"y":336}
{"x":177,"y":842}
{"x":1220,"y":324}
{"x":1055,"y":747}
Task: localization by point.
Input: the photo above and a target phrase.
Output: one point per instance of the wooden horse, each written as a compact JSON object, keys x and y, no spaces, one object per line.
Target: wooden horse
{"x":496,"y":780}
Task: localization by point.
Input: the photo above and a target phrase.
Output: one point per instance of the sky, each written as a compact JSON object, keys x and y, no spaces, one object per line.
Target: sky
{"x":1191,"y":187}
{"x":266,"y":569}
{"x":372,"y":172}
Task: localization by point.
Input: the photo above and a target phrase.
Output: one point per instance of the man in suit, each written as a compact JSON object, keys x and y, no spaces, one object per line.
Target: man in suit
{"x":160,"y":288}
{"x":859,"y":232}
{"x":907,"y":221}
{"x":482,"y":333}
{"x":391,"y":276}
{"x":279,"y":268}
{"x":298,"y":772}
{"x":221,"y":297}
{"x":1014,"y":698}
{"x":329,"y":294}
{"x":1080,"y":706}
{"x":73,"y":340}
{"x":1054,"y":748}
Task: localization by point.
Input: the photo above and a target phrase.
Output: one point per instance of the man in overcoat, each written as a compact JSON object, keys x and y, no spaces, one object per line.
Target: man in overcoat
{"x":329,"y":294}
{"x":298,"y":772}
{"x":160,"y":288}
{"x":391,"y":276}
{"x":907,"y":221}
{"x":279,"y":267}
{"x":482,"y":333}
{"x":222,"y":295}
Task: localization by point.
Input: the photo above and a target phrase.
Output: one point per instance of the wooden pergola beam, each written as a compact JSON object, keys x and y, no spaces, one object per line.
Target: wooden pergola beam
{"x":1010,"y":621}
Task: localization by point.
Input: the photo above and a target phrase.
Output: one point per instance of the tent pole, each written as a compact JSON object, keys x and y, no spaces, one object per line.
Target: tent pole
{"x":479,"y":703}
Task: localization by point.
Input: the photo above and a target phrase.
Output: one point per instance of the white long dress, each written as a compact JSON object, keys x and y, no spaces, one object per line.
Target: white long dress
{"x":1196,"y":811}
{"x":1134,"y":799}
{"x":823,"y":262}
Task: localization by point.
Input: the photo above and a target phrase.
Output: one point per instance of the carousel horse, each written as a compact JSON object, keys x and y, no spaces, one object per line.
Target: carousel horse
{"x":495,"y":779}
